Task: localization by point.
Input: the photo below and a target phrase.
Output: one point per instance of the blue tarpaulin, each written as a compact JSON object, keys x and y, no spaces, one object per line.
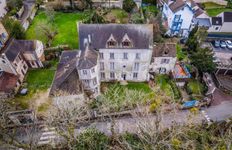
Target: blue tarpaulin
{"x":190,"y":103}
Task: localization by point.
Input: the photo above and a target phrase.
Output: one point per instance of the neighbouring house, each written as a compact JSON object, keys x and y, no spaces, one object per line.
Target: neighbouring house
{"x":163,"y":58}
{"x":67,"y":88}
{"x":2,"y":8}
{"x":27,"y":13}
{"x":221,"y":23}
{"x":8,"y":84}
{"x":178,"y":16}
{"x":16,"y":56}
{"x":108,"y":52}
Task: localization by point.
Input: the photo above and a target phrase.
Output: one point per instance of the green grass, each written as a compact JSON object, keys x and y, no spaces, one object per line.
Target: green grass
{"x":168,"y":86}
{"x":195,"y":87}
{"x":209,"y":5}
{"x":38,"y":80}
{"x":181,"y":55}
{"x":138,"y":86}
{"x":215,"y":11}
{"x":66,"y":24}
{"x":120,"y":15}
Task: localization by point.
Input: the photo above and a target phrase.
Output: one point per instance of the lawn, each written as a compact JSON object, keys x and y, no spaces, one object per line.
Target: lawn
{"x":214,"y":9}
{"x":37,"y":82}
{"x":66,"y":24}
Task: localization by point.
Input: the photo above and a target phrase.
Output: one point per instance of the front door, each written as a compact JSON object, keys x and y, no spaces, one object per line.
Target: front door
{"x":124,"y":76}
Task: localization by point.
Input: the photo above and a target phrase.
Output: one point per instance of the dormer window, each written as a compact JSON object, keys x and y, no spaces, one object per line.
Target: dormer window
{"x":111,"y":42}
{"x":126,"y":42}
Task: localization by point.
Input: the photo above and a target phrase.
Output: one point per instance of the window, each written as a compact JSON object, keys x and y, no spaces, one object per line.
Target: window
{"x":136,"y":66}
{"x":137,"y":56}
{"x":94,"y":81}
{"x":22,"y":72}
{"x":103,"y":75}
{"x":126,"y":43}
{"x":111,"y":65}
{"x":135,"y":75}
{"x":111,"y":43}
{"x":112,"y":75}
{"x":3,"y":61}
{"x":86,"y":82}
{"x":20,"y":58}
{"x":165,"y":61}
{"x":24,"y":67}
{"x":101,"y":66}
{"x":93,"y":70}
{"x":111,"y":55}
{"x":216,"y":28}
{"x":125,"y":55}
{"x":101,"y":56}
{"x":85,"y":72}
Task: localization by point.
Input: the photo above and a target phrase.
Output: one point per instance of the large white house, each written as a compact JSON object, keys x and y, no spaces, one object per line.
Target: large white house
{"x":108,"y":52}
{"x":178,"y":16}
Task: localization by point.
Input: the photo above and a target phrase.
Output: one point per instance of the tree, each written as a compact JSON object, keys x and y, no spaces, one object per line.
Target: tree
{"x":47,"y":31}
{"x":128,"y":5}
{"x":14,"y":6}
{"x":96,"y":16}
{"x":14,"y":28}
{"x":203,"y":60}
{"x":92,"y":139}
{"x":39,"y":3}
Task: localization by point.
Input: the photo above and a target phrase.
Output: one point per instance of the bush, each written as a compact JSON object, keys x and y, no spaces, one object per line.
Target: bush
{"x":128,"y":5}
{"x":92,"y":139}
{"x":14,"y":28}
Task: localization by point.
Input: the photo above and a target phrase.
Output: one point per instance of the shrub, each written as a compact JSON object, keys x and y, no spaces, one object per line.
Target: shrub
{"x":128,"y":5}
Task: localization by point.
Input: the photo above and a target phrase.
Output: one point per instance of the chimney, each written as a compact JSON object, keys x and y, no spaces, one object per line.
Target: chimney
{"x":89,"y":37}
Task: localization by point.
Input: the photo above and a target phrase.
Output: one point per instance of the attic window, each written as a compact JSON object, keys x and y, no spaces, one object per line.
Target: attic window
{"x":165,"y":52}
{"x":126,"y":43}
{"x":111,"y":43}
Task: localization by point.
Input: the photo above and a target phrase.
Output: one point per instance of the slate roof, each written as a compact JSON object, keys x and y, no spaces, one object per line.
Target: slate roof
{"x":227,"y":16}
{"x":164,"y":50}
{"x":198,"y":12}
{"x":8,"y":82}
{"x":177,"y":5}
{"x":217,"y":21}
{"x":66,"y":79}
{"x":88,"y":58}
{"x":141,"y":35}
{"x":15,"y":47}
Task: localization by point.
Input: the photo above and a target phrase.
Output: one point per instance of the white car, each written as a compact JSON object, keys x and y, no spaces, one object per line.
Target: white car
{"x":229,"y":44}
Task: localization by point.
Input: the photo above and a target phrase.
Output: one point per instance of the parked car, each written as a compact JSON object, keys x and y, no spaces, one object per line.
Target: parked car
{"x":223,"y":44}
{"x":216,"y":43}
{"x":205,"y":102}
{"x":229,"y":44}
